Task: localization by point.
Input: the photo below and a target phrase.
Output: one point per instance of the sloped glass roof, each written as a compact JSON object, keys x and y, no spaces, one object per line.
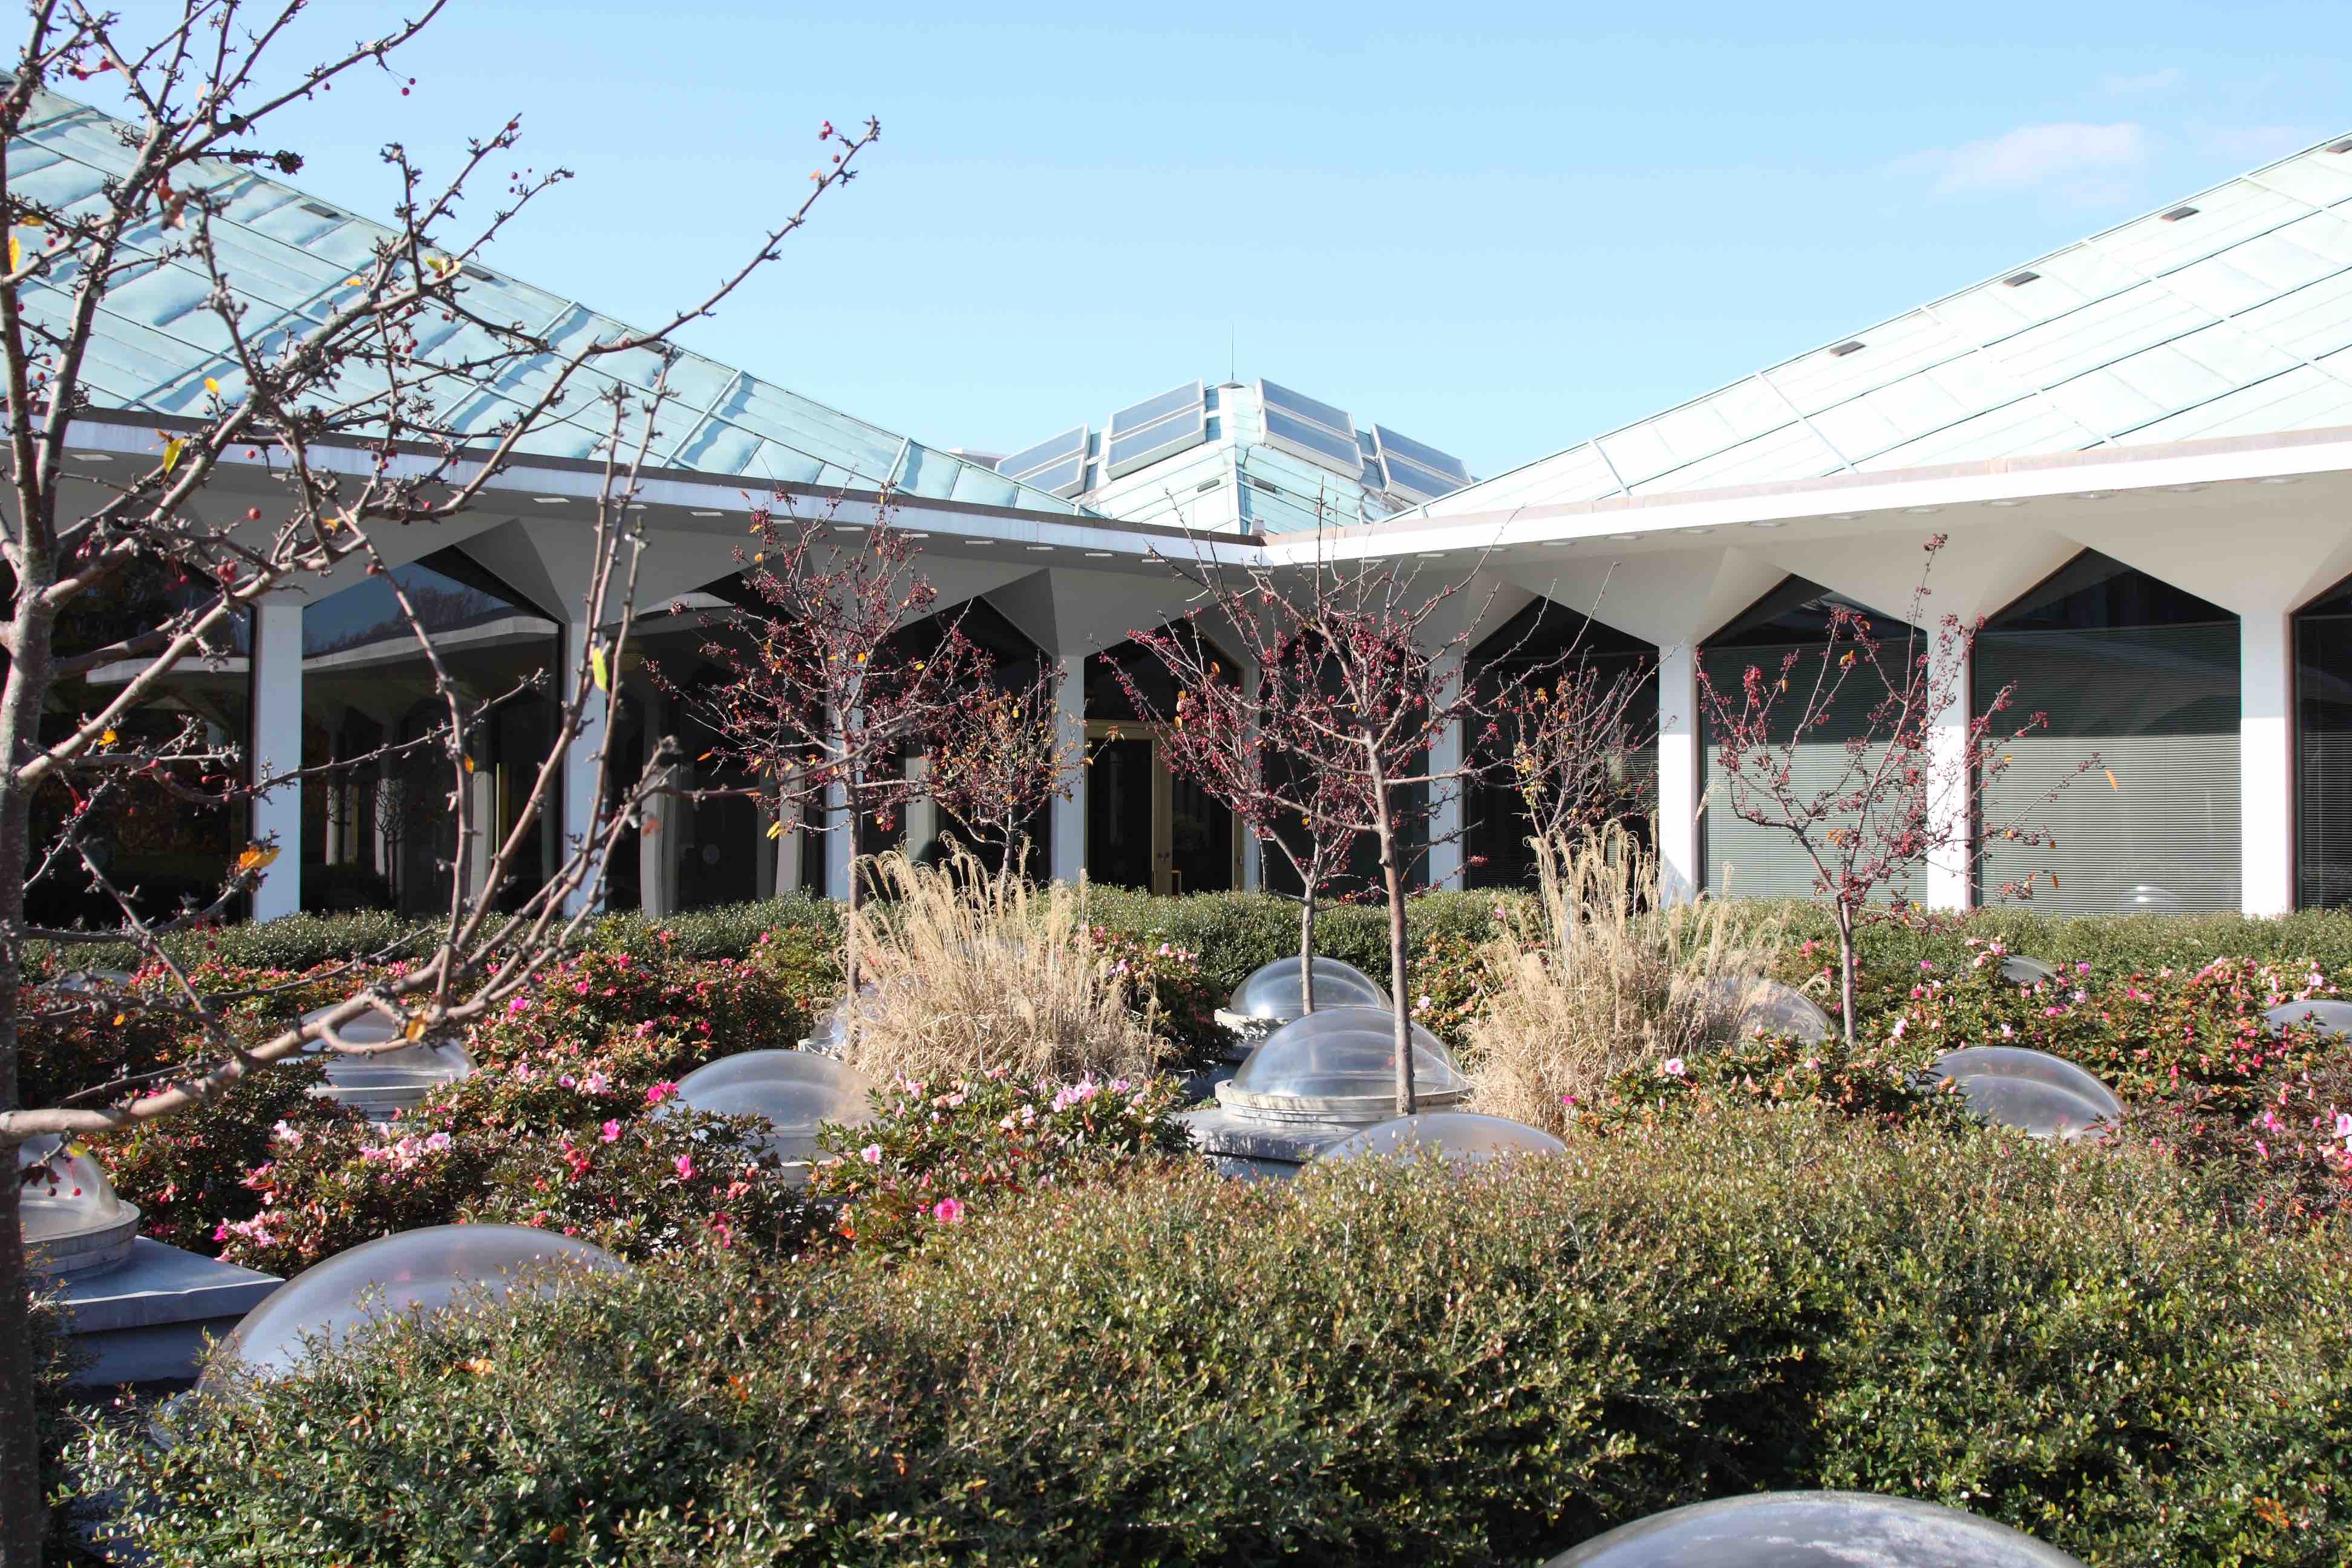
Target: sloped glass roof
{"x":2226,"y":314}
{"x":290,"y":255}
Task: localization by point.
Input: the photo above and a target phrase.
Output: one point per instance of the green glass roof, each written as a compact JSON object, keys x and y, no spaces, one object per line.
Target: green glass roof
{"x":288,"y":254}
{"x":2226,"y":314}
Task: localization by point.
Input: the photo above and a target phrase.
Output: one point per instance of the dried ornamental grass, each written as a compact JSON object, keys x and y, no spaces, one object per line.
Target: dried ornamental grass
{"x":975,"y":972}
{"x":1598,"y":973}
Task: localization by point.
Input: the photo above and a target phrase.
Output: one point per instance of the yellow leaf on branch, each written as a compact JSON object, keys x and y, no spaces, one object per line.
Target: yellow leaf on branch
{"x":598,"y":670}
{"x":212,"y":386}
{"x":173,"y":447}
{"x":257,"y":858}
{"x":2111,"y":780}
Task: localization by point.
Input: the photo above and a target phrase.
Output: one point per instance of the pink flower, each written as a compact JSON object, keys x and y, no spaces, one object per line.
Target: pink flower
{"x":871,"y":1153}
{"x":438,"y":1143}
{"x":685,"y":1163}
{"x":660,"y":1093}
{"x":1672,"y":1067}
{"x":2343,"y":1126}
{"x":597,"y":1083}
{"x":947,"y":1211}
{"x":609,"y":1133}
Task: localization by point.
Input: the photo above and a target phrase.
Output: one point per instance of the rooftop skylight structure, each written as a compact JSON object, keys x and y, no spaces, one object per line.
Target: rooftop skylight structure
{"x":1245,"y":457}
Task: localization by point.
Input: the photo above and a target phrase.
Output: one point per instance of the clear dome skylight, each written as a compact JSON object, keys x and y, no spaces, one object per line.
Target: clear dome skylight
{"x":1274,"y":991}
{"x":1757,"y":1004}
{"x":794,"y":1091}
{"x":384,"y":1083}
{"x":71,"y":1219}
{"x":2328,"y":1017}
{"x":1463,"y":1137}
{"x":1341,"y":1063}
{"x":415,"y":1271}
{"x":1814,"y":1530}
{"x":2032,"y":1091}
{"x":2019,"y":970}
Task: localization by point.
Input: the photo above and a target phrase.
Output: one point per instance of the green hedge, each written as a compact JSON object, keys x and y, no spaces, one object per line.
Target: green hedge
{"x":1365,"y":1366}
{"x":1235,"y":933}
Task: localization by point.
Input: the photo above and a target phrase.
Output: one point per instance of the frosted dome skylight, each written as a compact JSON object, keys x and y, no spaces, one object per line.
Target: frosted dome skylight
{"x":415,"y":1271}
{"x":2030,"y":1090}
{"x":1463,"y":1137}
{"x":794,"y":1091}
{"x":70,"y":1216}
{"x":1340,"y":1064}
{"x":1814,"y":1530}
{"x":1274,"y":990}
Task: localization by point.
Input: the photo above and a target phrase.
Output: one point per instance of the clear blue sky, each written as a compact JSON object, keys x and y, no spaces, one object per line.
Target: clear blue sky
{"x":1500,"y":228}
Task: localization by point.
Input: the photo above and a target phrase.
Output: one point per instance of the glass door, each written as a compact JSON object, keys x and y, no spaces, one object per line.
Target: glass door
{"x":1146,"y":829}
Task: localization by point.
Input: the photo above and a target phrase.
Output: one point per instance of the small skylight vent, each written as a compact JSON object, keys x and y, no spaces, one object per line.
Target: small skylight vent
{"x":1851,"y":346}
{"x":2343,"y":146}
{"x":2177,"y":213}
{"x":2019,"y":280}
{"x":1206,"y":485}
{"x":315,"y":210}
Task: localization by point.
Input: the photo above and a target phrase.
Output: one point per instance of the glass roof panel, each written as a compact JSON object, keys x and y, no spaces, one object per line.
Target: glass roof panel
{"x":1070,"y":443}
{"x":1342,"y":449}
{"x":1137,"y":415}
{"x":1307,"y":407}
{"x":2253,"y":250}
{"x":292,"y":250}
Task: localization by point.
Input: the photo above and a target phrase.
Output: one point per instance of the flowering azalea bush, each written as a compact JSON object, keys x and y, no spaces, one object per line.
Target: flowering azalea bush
{"x":655,"y":1185}
{"x":1863,"y":1080}
{"x":935,"y":1155}
{"x":728,"y":1005}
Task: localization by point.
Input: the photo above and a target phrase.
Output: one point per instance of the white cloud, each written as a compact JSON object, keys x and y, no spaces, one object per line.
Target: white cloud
{"x":2065,"y":157}
{"x":2145,"y":82}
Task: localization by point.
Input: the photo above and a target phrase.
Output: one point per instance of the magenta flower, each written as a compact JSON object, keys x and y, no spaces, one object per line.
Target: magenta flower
{"x":609,"y":1133}
{"x":685,"y":1163}
{"x":660,"y":1093}
{"x":947,"y":1211}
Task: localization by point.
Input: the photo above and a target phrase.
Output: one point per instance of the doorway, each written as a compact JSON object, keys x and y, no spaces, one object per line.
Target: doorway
{"x":1147,"y":829}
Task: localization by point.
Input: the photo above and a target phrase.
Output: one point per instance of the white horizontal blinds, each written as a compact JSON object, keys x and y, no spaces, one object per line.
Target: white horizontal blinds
{"x":1743,"y":859}
{"x":2144,"y":675}
{"x":2323,"y":752}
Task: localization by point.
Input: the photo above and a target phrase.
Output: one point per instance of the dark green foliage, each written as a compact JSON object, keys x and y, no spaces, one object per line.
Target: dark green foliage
{"x":1235,"y":933}
{"x":1371,"y":1365}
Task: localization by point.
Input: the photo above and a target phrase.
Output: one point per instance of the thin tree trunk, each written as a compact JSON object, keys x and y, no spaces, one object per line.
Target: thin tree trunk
{"x":1392,"y":879}
{"x":23,"y":1517}
{"x":1845,"y":969}
{"x":1306,"y":951}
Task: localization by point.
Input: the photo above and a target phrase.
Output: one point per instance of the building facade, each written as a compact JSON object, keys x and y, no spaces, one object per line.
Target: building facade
{"x":2140,"y":448}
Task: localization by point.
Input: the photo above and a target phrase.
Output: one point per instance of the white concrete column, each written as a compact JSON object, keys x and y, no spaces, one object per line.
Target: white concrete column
{"x":582,"y":807}
{"x":1068,"y":831}
{"x":785,"y":851}
{"x":278,"y":748}
{"x":840,"y":840}
{"x":763,"y":850}
{"x":1253,"y":878}
{"x":659,"y":821}
{"x":1445,"y":813}
{"x":1949,"y":869}
{"x":1680,"y":873}
{"x":2265,"y":770}
{"x":922,"y":823}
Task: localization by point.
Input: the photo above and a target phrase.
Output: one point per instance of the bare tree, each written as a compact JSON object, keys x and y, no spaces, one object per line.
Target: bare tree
{"x":999,"y":756}
{"x":1241,"y":739}
{"x":1369,"y":695}
{"x":343,"y":411}
{"x":818,"y":691}
{"x":1574,"y":746}
{"x":1888,"y":803}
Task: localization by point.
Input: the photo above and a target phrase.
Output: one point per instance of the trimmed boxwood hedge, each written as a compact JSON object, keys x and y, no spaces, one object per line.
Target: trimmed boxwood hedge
{"x":1233,"y":933}
{"x":1370,"y":1365}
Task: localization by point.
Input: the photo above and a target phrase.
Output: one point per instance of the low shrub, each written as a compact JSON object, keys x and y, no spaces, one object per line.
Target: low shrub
{"x":1236,"y":933}
{"x":730,"y":930}
{"x":1372,"y":1365}
{"x":765,"y":1001}
{"x":938,"y":1155}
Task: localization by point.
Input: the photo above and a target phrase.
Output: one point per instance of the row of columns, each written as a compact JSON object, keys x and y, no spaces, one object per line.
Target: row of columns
{"x":2266,"y":742}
